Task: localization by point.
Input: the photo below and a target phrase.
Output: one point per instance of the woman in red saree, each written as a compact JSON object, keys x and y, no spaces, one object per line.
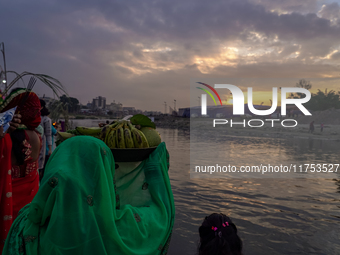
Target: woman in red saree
{"x":18,"y":190}
{"x":25,"y":176}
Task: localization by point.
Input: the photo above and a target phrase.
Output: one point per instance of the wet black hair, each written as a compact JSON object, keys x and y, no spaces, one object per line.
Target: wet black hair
{"x":17,"y":137}
{"x":42,"y":103}
{"x":218,"y":236}
{"x":44,"y":111}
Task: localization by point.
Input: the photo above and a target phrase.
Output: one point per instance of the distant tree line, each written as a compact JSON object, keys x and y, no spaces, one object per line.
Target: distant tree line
{"x":321,"y":100}
{"x":72,"y":103}
{"x":63,"y":106}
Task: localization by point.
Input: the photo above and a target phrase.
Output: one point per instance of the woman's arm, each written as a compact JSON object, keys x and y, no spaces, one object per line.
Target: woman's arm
{"x":48,"y":134}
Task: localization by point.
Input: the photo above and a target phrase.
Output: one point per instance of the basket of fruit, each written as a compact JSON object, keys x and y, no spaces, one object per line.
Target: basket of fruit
{"x":129,"y":140}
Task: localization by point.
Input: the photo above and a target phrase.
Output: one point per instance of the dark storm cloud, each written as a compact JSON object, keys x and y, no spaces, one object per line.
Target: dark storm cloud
{"x":123,"y":49}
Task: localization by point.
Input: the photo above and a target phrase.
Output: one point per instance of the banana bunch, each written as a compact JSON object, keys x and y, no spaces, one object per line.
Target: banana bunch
{"x":122,"y":135}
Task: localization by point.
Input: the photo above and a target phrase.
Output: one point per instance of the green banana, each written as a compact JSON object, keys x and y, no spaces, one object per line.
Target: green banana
{"x":128,"y":137}
{"x":102,"y":135}
{"x":137,"y":139}
{"x":94,"y":131}
{"x":120,"y":142}
{"x":130,"y":125}
{"x":145,"y":143}
{"x":112,"y":128}
{"x":107,"y":135}
{"x":62,"y":136}
{"x":114,"y":124}
{"x":111,"y":143}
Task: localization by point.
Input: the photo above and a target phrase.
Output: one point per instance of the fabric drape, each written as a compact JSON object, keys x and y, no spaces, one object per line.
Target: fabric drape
{"x":6,"y":203}
{"x":24,"y":189}
{"x":85,"y":206}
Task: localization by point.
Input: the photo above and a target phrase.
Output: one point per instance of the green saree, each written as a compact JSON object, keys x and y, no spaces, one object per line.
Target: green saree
{"x":85,"y":206}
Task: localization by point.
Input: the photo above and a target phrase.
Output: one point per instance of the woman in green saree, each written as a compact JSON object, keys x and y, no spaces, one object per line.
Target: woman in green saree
{"x":85,"y":206}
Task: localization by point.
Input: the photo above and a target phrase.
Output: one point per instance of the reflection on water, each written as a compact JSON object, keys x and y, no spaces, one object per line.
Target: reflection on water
{"x":209,"y":147}
{"x":274,"y":216}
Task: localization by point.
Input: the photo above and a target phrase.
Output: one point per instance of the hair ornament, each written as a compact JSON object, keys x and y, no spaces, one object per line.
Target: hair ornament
{"x":226,"y":224}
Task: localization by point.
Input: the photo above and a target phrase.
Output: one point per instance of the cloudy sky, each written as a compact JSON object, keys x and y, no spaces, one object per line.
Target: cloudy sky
{"x":144,"y":53}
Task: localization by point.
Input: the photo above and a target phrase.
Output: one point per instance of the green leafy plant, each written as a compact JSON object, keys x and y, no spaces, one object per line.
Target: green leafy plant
{"x":142,"y":120}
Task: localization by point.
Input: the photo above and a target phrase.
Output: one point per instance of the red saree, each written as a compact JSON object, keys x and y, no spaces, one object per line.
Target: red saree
{"x":24,"y":189}
{"x":25,"y":183}
{"x":6,"y":203}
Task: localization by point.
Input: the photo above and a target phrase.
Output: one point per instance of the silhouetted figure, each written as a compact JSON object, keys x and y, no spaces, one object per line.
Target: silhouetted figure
{"x":311,"y":127}
{"x":218,"y":236}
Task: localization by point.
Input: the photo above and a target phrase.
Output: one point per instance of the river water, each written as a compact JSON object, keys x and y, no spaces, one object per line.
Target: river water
{"x":273,"y":216}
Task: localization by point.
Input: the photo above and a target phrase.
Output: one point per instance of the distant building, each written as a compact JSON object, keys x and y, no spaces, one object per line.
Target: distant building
{"x":95,"y":103}
{"x":99,"y":103}
{"x":129,"y":110}
{"x":89,"y":105}
{"x":115,"y":107}
{"x":102,"y":102}
{"x":152,"y":113}
{"x":85,"y":110}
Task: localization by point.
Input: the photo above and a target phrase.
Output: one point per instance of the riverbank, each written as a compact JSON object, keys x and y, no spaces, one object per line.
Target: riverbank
{"x":330,"y":131}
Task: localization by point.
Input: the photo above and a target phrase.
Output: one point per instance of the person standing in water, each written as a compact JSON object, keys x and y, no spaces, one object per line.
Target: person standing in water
{"x":311,"y":127}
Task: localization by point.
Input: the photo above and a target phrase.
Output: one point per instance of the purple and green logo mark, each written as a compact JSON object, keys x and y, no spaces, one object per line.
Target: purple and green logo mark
{"x":208,"y":92}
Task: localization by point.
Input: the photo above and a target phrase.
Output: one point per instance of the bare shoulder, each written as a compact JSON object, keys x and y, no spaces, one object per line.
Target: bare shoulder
{"x":34,"y":141}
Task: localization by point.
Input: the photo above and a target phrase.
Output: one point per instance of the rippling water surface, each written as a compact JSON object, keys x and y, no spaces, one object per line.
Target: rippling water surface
{"x":273,"y":216}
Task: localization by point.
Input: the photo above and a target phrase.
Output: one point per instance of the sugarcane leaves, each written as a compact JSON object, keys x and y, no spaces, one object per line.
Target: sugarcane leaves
{"x":142,"y":120}
{"x":51,"y":82}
